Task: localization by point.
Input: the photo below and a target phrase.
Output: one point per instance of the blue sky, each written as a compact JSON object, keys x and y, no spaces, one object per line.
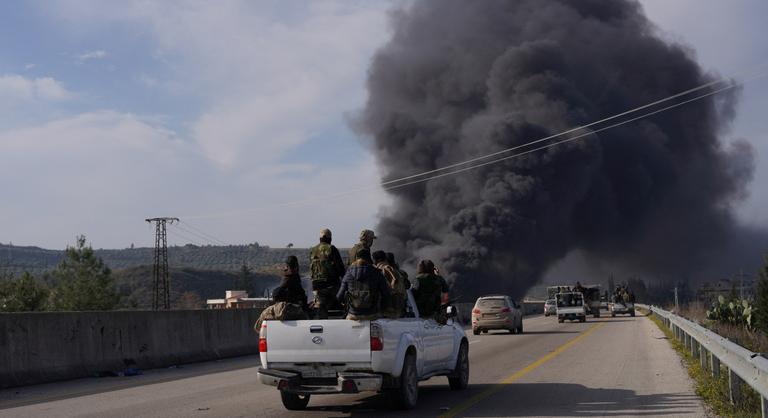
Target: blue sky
{"x":217,"y":112}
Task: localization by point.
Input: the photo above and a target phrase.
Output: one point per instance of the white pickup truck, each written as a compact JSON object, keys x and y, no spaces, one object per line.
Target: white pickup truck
{"x":570,"y":306}
{"x":307,"y":357}
{"x":621,"y":308}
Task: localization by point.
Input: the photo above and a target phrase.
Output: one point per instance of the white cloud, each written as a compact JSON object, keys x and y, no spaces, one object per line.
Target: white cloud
{"x":91,"y":55}
{"x":266,"y":84}
{"x":268,"y":81}
{"x":101,"y":173}
{"x":14,"y":87}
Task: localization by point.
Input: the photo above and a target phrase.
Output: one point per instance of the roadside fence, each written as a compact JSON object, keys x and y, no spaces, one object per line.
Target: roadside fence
{"x":712,"y":350}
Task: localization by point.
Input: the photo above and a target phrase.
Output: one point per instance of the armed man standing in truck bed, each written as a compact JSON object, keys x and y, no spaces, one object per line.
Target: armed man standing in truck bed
{"x":326,"y":269}
{"x":366,"y":241}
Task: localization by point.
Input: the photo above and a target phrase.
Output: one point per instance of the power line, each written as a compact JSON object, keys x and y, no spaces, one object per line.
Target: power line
{"x":202,"y":233}
{"x":389,"y":185}
{"x":543,"y":147}
{"x":186,"y":237}
{"x":198,"y":236}
{"x":578,"y":128}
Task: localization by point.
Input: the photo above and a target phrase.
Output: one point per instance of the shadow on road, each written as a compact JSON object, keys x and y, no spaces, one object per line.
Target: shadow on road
{"x":609,"y":319}
{"x":505,"y":333}
{"x":568,"y":399}
{"x":526,"y":399}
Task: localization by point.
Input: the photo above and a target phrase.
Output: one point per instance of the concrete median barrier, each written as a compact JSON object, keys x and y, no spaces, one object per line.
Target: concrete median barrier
{"x":44,"y":347}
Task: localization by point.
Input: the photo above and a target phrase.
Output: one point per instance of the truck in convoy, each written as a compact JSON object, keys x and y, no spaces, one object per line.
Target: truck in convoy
{"x":591,"y":294}
{"x":314,"y":357}
{"x":570,"y":306}
{"x":592,"y":299}
{"x":621,"y":308}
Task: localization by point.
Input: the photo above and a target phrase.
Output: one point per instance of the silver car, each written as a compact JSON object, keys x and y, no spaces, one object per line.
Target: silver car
{"x":550,"y":307}
{"x":497,"y":312}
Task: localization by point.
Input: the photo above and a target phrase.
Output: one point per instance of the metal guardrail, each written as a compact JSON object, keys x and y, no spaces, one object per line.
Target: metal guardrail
{"x":712,"y":350}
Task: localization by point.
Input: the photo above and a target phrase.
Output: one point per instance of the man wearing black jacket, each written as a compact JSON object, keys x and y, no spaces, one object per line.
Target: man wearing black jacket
{"x":364,"y":289}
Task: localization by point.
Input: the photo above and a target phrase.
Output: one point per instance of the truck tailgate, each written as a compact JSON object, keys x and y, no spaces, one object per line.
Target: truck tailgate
{"x":319,"y":341}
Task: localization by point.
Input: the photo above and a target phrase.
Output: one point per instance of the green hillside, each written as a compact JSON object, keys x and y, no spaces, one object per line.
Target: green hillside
{"x":135,"y":285}
{"x":14,"y":259}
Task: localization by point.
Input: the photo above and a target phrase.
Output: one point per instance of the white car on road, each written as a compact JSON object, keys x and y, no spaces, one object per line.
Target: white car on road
{"x":313,"y":357}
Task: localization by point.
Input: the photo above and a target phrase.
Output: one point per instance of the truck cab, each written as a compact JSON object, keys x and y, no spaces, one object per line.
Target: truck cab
{"x":314,"y":357}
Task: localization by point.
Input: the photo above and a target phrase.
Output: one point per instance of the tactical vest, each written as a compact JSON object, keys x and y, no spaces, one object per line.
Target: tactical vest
{"x":321,"y":263}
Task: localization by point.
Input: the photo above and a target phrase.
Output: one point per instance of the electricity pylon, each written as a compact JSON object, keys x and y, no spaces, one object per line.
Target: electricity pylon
{"x":162,"y":293}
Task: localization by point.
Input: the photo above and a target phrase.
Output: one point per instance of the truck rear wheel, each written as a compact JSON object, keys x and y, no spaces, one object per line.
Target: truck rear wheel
{"x":293,"y":401}
{"x":475,"y":331}
{"x":460,"y":378}
{"x":407,"y":394}
{"x":632,"y":313}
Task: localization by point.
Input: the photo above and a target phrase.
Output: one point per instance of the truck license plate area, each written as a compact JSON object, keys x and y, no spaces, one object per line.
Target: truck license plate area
{"x":318,"y":373}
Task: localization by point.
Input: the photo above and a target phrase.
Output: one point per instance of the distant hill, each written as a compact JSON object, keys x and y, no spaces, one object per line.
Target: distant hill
{"x":135,"y":285}
{"x":36,"y":260}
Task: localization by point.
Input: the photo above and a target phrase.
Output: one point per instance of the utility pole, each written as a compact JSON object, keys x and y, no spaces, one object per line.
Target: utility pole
{"x":677,"y":305}
{"x":162,"y":290}
{"x":741,"y":284}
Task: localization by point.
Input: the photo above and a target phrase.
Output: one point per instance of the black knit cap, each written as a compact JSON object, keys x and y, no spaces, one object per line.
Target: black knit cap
{"x":292,"y":262}
{"x":280,"y":294}
{"x":364,"y":254}
{"x":379,"y":256}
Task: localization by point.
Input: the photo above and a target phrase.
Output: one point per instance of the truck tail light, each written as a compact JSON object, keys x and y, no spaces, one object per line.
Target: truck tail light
{"x":262,"y":345}
{"x":506,"y":310}
{"x":376,"y":343}
{"x":476,"y":311}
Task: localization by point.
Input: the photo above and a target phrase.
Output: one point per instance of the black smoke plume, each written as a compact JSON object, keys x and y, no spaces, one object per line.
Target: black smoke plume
{"x":462,"y":78}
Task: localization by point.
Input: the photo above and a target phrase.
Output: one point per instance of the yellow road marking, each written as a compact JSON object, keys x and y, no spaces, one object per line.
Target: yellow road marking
{"x":517,"y":375}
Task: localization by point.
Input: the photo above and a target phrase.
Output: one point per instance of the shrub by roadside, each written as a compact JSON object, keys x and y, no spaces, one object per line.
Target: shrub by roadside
{"x":752,"y":340}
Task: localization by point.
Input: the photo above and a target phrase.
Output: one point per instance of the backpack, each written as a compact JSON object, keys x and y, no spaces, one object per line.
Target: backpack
{"x":360,"y":297}
{"x":394,"y":279}
{"x":320,"y":262}
{"x":282,"y":311}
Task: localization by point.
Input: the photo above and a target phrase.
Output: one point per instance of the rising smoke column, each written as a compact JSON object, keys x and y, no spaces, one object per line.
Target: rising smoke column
{"x":462,"y":78}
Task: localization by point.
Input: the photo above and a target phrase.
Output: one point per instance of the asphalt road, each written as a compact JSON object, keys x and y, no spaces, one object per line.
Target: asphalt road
{"x":604,"y":367}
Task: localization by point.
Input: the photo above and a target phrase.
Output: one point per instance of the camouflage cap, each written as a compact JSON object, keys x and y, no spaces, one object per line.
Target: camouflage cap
{"x":367,"y":234}
{"x":325,"y":233}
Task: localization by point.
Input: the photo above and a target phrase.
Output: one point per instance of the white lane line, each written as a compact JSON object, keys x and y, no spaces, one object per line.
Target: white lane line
{"x":474,"y":341}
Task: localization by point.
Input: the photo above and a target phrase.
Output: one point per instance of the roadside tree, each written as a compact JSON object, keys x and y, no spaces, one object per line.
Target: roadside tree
{"x":83,"y":282}
{"x":23,"y":294}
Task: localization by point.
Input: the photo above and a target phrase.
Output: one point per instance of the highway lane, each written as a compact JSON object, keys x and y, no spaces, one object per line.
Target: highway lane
{"x":606,"y":367}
